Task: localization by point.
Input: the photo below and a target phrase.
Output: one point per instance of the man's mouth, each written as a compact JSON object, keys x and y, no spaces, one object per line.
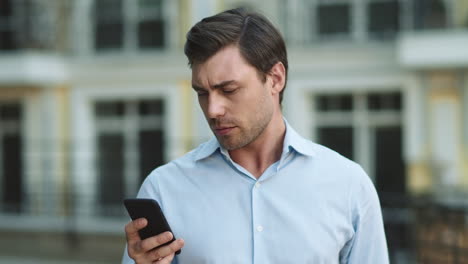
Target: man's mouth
{"x":221,"y":131}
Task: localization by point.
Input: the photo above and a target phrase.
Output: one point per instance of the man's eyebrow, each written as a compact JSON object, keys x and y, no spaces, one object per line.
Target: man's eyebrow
{"x":216,"y":86}
{"x":196,"y":88}
{"x":223,"y":84}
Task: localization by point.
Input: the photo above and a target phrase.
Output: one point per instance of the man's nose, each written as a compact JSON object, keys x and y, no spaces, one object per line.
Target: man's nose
{"x":216,"y":106}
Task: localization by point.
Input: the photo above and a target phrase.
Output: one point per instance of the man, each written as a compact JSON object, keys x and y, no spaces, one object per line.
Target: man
{"x":257,"y":192}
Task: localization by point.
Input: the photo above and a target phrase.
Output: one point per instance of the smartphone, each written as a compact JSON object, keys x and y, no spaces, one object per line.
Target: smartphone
{"x":149,"y":209}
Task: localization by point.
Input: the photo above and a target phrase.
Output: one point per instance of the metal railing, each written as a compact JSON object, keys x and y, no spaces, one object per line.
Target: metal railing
{"x":425,"y":230}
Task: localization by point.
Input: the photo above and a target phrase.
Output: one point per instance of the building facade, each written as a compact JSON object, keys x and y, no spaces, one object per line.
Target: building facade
{"x":94,"y":94}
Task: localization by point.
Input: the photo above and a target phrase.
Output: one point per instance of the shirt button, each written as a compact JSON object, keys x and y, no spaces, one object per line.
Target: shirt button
{"x":259,"y":228}
{"x":257,"y":184}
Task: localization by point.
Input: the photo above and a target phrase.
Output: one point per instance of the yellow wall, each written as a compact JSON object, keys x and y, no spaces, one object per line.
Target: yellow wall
{"x":443,"y":90}
{"x":187,"y":112}
{"x":461,"y":13}
{"x":419,"y":178}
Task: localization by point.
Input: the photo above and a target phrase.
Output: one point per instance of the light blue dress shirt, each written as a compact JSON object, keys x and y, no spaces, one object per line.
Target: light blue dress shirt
{"x":311,"y":206}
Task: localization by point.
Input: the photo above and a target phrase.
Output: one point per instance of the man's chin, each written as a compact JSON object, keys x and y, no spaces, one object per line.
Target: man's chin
{"x":227,"y":144}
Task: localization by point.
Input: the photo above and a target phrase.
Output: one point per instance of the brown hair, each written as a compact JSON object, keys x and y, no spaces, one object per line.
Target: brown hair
{"x":259,"y":42}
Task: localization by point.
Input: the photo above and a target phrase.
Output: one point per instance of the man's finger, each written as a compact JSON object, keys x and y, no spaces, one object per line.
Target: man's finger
{"x":166,"y":260}
{"x":131,"y":229}
{"x":163,"y":252}
{"x":156,"y":241}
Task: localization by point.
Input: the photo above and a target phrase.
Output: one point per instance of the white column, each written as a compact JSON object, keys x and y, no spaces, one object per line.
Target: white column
{"x":173,"y":116}
{"x":362,"y":135}
{"x":32,"y":153}
{"x":304,"y":22}
{"x":83,"y":152}
{"x":171,"y":16}
{"x":406,"y":19}
{"x":298,"y":107}
{"x":49,"y":142}
{"x":81,"y":27}
{"x":358,"y":20}
{"x":130,"y":26}
{"x":415,"y":132}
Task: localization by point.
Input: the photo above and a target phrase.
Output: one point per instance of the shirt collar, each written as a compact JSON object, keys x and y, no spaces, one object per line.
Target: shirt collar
{"x":292,"y":140}
{"x":207,"y":149}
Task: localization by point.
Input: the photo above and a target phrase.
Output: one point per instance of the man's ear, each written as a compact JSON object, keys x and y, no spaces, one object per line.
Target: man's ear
{"x":277,"y":75}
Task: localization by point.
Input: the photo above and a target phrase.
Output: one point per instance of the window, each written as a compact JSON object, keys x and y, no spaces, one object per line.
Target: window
{"x":384,"y":19}
{"x":365,"y":128}
{"x":384,"y":101}
{"x":7,"y":31}
{"x":129,"y":24}
{"x":10,"y":157}
{"x":429,"y":14}
{"x":336,"y":102}
{"x":109,"y":24}
{"x":110,"y":170}
{"x":338,"y":138}
{"x":30,"y":24}
{"x":389,"y":164}
{"x":151,"y":24}
{"x":363,"y":20}
{"x":334,"y":19}
{"x":130,"y":144}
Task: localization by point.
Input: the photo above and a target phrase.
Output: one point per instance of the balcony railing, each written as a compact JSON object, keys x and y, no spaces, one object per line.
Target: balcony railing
{"x":423,"y":230}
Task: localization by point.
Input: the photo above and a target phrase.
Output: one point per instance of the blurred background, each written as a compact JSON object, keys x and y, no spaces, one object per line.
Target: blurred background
{"x":94,"y":94}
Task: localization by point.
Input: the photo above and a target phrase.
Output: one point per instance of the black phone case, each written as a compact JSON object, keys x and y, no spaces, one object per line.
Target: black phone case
{"x":149,"y":209}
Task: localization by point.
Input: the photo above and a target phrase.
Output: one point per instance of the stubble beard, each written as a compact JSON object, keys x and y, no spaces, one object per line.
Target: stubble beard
{"x":242,"y":137}
{"x":248,"y":132}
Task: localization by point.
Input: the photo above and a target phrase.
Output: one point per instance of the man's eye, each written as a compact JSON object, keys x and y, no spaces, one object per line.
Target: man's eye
{"x":201,"y":93}
{"x":230,"y":91}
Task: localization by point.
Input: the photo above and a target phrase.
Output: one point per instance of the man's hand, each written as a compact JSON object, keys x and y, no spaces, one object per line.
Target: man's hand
{"x":144,"y":251}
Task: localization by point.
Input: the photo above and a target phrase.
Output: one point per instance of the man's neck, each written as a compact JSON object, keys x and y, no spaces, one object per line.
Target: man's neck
{"x":264,"y":151}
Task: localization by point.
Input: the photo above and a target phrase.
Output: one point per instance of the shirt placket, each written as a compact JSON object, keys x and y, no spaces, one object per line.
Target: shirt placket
{"x":257,"y":221}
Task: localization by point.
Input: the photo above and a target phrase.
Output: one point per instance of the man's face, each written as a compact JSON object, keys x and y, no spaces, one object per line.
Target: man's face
{"x":237,"y":104}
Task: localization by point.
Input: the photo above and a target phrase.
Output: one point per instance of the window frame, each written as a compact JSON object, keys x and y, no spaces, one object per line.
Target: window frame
{"x":84,"y":132}
{"x":110,"y":18}
{"x":359,"y":21}
{"x":130,"y":21}
{"x":376,"y":36}
{"x":128,"y":126}
{"x":363,"y":121}
{"x":333,"y":36}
